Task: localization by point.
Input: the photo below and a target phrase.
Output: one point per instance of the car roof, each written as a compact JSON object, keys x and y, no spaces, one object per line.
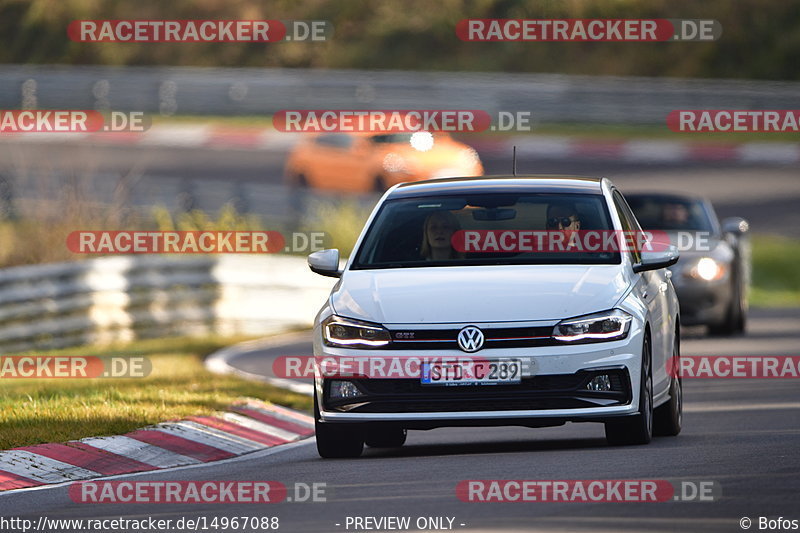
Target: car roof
{"x":499,"y":184}
{"x":370,"y":133}
{"x":666,"y":196}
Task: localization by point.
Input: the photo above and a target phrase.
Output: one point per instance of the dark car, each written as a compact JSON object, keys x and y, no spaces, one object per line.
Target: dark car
{"x":712,"y":277}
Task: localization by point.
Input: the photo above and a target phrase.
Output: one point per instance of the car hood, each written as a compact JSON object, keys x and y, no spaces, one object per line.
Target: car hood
{"x":477,"y":293}
{"x":444,"y":154}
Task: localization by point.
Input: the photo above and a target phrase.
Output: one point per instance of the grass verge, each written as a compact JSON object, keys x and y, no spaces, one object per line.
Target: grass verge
{"x":776,"y":277}
{"x":34,"y":411}
{"x":605,"y":132}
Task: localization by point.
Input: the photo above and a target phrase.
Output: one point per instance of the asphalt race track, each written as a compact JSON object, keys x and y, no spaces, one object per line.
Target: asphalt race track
{"x":742,"y":434}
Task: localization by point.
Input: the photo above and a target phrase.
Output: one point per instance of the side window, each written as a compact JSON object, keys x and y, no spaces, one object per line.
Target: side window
{"x":335,"y":140}
{"x":629,"y":223}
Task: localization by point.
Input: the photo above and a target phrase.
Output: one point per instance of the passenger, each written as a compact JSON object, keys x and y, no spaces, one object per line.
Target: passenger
{"x":437,"y":233}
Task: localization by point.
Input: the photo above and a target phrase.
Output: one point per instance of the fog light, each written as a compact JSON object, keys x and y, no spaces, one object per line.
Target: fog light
{"x":600,"y":383}
{"x":344,"y":389}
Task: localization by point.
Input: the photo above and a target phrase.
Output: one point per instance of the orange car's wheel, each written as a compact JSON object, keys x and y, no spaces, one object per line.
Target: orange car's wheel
{"x":299,"y":181}
{"x":379,"y":184}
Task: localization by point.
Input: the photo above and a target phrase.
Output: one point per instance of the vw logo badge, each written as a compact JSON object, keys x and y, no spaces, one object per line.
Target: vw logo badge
{"x":470,"y":339}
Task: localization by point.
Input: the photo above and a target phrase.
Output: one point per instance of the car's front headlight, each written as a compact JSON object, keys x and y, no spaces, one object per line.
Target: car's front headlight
{"x":422,"y":141}
{"x":706,"y":269}
{"x":395,"y":163}
{"x":468,"y":157}
{"x":349,"y":333}
{"x":605,"y":326}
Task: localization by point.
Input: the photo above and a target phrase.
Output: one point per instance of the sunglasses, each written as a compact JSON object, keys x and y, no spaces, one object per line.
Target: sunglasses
{"x":553,"y":222}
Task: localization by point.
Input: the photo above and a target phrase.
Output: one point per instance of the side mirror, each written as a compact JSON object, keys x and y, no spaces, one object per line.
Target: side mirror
{"x":735,"y":225}
{"x":656,"y":260}
{"x":325,"y":263}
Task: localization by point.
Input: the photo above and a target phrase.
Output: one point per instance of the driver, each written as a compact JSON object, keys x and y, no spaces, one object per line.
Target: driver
{"x":563,"y":216}
{"x":674,"y":215}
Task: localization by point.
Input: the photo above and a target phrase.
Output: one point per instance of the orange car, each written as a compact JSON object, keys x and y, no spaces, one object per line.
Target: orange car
{"x":374,"y":162}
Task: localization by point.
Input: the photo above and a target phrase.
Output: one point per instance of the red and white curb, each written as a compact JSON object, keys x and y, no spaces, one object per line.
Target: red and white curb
{"x":535,"y":146}
{"x":246,"y":427}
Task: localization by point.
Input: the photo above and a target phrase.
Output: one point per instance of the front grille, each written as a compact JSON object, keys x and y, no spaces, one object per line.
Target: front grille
{"x":426,"y":339}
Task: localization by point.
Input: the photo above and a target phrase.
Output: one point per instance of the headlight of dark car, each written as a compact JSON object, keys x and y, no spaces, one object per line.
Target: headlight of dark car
{"x":706,"y":269}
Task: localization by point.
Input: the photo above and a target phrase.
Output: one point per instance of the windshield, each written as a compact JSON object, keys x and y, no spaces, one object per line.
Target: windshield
{"x":486,"y":229}
{"x":670,"y":213}
{"x":392,"y":138}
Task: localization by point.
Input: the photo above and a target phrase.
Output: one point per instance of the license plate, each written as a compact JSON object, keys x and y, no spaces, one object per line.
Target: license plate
{"x":506,"y":371}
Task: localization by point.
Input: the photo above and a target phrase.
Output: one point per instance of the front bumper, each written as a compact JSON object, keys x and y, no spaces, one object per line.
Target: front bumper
{"x":703,"y":302}
{"x":552,"y":390}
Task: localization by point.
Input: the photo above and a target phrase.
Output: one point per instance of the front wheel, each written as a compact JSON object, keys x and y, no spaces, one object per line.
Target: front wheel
{"x":337,"y":441}
{"x":668,"y":417}
{"x":638,"y":428}
{"x":298,"y":180}
{"x":735,"y":318}
{"x":379,"y":185}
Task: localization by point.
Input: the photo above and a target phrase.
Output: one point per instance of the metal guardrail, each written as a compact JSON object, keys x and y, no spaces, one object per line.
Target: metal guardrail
{"x":109,"y":299}
{"x":251,"y":91}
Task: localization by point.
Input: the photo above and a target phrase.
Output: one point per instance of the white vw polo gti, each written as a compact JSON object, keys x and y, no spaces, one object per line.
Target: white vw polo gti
{"x":497,"y":301}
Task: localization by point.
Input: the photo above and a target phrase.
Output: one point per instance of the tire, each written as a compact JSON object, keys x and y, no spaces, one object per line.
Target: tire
{"x":735,"y":317}
{"x":379,"y":437}
{"x":740,"y":314}
{"x":298,"y":181}
{"x":337,"y":441}
{"x":379,"y":185}
{"x":667,"y":418}
{"x":638,"y":428}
